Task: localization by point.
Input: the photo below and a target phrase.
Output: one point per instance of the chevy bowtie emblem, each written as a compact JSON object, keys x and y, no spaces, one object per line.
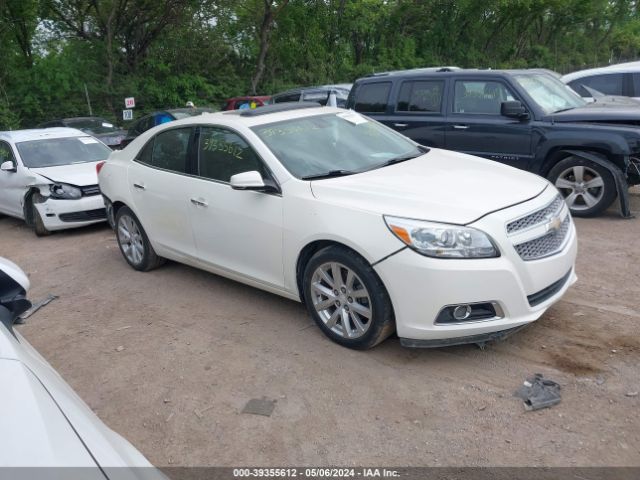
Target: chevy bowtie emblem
{"x":554,"y":224}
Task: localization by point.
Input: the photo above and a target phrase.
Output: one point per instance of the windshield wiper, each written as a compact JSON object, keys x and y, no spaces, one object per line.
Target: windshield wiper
{"x":329,"y":174}
{"x":564,"y":110}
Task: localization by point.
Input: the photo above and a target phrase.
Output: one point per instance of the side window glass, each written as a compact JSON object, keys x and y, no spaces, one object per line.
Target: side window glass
{"x":577,"y":87}
{"x":144,"y":156}
{"x":420,"y":96}
{"x":170,"y":150}
{"x":372,"y":97}
{"x":609,"y":84}
{"x":6,"y":155}
{"x":320,"y":97}
{"x":222,"y":154}
{"x":292,"y":97}
{"x":480,"y":97}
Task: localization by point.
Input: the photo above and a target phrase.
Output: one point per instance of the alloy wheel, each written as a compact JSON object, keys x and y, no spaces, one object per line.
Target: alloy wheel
{"x":582,"y":187}
{"x":341,"y":300}
{"x":130,"y":239}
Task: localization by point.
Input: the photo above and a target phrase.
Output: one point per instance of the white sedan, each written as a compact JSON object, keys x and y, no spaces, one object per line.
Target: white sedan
{"x":44,"y":422}
{"x":373,"y":232}
{"x":48,"y":178}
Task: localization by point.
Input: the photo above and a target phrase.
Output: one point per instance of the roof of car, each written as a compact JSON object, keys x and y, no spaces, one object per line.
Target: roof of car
{"x":618,"y":68}
{"x":452,"y":71}
{"x":41,"y":134}
{"x":338,"y":86}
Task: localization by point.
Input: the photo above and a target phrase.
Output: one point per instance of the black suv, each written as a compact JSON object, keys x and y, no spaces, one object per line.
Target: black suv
{"x":525,"y":118}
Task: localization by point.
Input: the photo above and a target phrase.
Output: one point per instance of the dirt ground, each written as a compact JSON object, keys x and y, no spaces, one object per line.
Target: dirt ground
{"x":169,"y":358}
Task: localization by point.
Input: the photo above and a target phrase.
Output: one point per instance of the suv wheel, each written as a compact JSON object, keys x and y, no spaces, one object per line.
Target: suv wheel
{"x":587,"y":187}
{"x":347,"y":299}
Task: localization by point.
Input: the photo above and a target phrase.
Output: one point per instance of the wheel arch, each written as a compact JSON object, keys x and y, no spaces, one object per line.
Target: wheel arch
{"x":309,"y":251}
{"x":558,"y":154}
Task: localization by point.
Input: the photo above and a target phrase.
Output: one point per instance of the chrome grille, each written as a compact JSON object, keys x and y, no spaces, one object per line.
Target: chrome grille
{"x":546,"y":245}
{"x":536,"y":217}
{"x":89,"y":190}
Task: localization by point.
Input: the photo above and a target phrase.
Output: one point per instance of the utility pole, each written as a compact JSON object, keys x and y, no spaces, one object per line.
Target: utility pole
{"x":86,"y":93}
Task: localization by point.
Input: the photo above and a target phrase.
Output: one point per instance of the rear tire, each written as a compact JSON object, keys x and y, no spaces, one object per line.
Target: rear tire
{"x":38,"y":224}
{"x":134,"y":243}
{"x":347,"y":299}
{"x":587,"y":187}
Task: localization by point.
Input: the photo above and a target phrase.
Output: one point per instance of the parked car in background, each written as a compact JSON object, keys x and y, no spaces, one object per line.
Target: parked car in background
{"x":373,"y":232}
{"x":48,"y":178}
{"x":158,"y":118}
{"x":526,"y":119}
{"x":46,"y":424}
{"x":108,"y":133}
{"x":621,"y":80}
{"x":238,"y":103}
{"x":324,"y":95}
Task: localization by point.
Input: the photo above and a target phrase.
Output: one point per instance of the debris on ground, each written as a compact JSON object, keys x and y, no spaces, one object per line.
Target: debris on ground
{"x":538,"y":392}
{"x":632,"y":394}
{"x":120,"y":348}
{"x":259,"y":406}
{"x":35,"y":307}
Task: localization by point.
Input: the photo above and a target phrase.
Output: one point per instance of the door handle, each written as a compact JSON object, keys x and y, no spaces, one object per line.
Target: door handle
{"x":199,"y":202}
{"x":461,"y":127}
{"x":401,"y":125}
{"x":139,"y":186}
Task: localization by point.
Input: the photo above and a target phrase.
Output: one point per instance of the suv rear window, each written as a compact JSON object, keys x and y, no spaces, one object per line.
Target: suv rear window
{"x":372,"y":97}
{"x":420,"y":96}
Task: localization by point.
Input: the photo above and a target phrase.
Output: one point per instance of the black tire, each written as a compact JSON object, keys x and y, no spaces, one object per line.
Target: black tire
{"x":576,"y":198}
{"x":38,"y":224}
{"x":147,"y":259}
{"x":381,"y":323}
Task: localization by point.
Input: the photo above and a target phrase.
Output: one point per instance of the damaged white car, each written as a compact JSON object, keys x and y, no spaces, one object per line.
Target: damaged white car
{"x":48,"y":178}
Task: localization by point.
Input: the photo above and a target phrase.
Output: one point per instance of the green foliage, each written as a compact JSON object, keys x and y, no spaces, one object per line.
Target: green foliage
{"x":167,"y":53}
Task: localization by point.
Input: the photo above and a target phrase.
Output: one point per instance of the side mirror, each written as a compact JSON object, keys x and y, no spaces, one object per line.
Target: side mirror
{"x":8,"y":166}
{"x":513,"y":109}
{"x":248,"y":181}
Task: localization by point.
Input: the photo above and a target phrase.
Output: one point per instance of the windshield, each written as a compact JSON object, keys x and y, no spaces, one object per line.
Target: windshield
{"x":53,"y":152}
{"x":549,"y":93}
{"x":92,"y":125}
{"x":345,"y":142}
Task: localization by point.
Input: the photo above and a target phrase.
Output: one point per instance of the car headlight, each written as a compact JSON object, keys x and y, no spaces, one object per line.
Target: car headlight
{"x":440,"y":240}
{"x":62,"y":191}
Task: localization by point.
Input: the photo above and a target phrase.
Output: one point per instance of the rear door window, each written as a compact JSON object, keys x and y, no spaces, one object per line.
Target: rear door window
{"x":420,"y":96}
{"x":372,"y":97}
{"x":170,"y":150}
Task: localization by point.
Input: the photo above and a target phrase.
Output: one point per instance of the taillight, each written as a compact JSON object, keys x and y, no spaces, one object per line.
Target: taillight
{"x":99,"y":166}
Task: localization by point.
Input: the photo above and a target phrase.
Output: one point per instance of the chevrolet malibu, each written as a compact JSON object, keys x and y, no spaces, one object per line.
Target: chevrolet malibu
{"x":48,"y":178}
{"x":373,"y":232}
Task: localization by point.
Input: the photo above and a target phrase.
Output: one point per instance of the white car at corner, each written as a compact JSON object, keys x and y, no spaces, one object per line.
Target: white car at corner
{"x":45,"y":425}
{"x":373,"y":232}
{"x":48,"y":178}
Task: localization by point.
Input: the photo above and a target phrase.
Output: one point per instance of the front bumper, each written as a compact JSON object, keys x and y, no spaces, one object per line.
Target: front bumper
{"x":420,"y":286}
{"x":63,"y":214}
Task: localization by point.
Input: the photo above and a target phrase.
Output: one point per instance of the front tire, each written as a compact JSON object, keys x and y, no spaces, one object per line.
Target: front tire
{"x":347,"y":299}
{"x":38,"y":224}
{"x":134,"y":243}
{"x":587,"y":187}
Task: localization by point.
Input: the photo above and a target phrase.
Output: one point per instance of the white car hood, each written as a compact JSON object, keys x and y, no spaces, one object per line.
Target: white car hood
{"x":441,"y":186}
{"x":35,"y":433}
{"x":80,"y":174}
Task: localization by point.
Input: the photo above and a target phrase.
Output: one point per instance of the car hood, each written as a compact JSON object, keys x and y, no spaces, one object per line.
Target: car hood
{"x":602,"y":112}
{"x":79,"y":174}
{"x":35,"y":432}
{"x":441,"y":186}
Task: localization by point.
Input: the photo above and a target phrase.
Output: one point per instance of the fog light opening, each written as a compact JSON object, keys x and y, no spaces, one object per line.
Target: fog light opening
{"x":470,"y":312}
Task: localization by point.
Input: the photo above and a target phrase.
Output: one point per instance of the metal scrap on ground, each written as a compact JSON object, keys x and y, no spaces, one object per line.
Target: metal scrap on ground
{"x":538,"y":392}
{"x":259,"y":406}
{"x":35,"y":307}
